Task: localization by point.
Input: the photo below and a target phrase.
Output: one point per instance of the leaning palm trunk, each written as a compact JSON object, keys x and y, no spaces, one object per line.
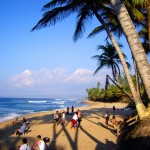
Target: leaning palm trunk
{"x":141,"y":109}
{"x":134,"y":42}
{"x":137,"y":79}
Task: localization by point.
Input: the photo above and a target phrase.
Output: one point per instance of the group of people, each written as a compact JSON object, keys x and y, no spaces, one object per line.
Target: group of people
{"x":57,"y":116}
{"x":70,"y":111}
{"x":113,"y":120}
{"x":39,"y":143}
{"x":76,"y":119}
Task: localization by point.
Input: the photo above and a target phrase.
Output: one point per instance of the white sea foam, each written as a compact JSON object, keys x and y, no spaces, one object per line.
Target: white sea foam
{"x":58,"y":102}
{"x":8,"y":117}
{"x":59,"y":99}
{"x":44,"y":101}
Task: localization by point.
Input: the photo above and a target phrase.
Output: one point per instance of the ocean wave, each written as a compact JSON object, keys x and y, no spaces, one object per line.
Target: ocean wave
{"x":44,"y":101}
{"x":8,"y":117}
{"x":58,"y":99}
{"x":58,"y":102}
{"x":61,"y":106}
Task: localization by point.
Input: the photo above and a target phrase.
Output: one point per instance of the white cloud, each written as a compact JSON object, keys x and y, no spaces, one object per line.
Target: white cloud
{"x":56,"y":81}
{"x":81,"y":76}
{"x":26,"y":78}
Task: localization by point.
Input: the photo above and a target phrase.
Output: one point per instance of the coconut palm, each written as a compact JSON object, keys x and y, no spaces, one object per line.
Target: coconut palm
{"x":136,"y":47}
{"x":109,"y":58}
{"x":57,"y":10}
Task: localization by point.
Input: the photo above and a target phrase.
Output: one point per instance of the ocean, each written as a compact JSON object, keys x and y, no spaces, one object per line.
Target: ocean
{"x":14,"y":107}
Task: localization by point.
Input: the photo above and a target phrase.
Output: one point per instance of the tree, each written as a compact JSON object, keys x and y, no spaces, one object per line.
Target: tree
{"x":58,"y":10}
{"x":136,"y":48}
{"x":110,"y":59}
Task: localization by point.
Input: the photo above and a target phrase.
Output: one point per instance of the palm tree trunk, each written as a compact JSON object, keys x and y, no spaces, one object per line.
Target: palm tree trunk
{"x":137,"y":79}
{"x":141,"y":109}
{"x":134,"y":42}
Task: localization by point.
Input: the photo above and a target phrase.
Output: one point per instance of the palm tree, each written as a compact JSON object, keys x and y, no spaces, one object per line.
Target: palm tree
{"x":135,"y":45}
{"x":110,"y":59}
{"x":57,"y":10}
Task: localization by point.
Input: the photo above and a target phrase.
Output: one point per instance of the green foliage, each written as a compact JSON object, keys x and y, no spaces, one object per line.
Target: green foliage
{"x":94,"y":94}
{"x":112,"y":94}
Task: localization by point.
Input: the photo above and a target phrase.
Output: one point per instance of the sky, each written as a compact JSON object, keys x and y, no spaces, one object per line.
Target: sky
{"x":46,"y":62}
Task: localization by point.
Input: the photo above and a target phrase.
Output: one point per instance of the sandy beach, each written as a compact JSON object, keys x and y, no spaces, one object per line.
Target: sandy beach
{"x":94,"y":135}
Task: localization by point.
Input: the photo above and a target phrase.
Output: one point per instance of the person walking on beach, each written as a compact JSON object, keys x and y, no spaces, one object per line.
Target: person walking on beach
{"x":24,"y":146}
{"x":74,"y":120}
{"x":56,"y":118}
{"x":40,"y":143}
{"x":72,"y":108}
{"x":63,"y":118}
{"x":107,"y":118}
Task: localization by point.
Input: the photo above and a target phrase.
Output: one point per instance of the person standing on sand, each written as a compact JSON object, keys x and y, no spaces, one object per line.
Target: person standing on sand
{"x":40,"y":143}
{"x":72,"y":108}
{"x":74,"y":120}
{"x":67,"y":111}
{"x":79,"y":117}
{"x":114,"y":109}
{"x":25,"y":146}
{"x":63,"y":118}
{"x":56,"y":118}
{"x":106,"y":118}
{"x":114,"y":121}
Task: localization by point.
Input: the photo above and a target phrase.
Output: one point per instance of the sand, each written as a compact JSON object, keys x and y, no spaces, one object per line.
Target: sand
{"x":93,"y":136}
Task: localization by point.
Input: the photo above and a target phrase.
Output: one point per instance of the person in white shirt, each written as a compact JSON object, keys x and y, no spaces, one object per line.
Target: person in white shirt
{"x":21,"y":130}
{"x":25,"y":146}
{"x":40,"y":143}
{"x":74,"y":120}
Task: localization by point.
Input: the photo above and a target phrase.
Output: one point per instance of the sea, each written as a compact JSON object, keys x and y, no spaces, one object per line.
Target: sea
{"x":14,"y":107}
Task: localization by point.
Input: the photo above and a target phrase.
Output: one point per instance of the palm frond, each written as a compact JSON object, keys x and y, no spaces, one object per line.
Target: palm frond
{"x":133,"y":10}
{"x":55,"y":15}
{"x":141,"y":3}
{"x":96,"y":31}
{"x":84,"y":15}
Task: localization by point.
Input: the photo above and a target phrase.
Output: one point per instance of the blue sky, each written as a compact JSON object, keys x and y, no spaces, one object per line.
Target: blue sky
{"x":45,"y":62}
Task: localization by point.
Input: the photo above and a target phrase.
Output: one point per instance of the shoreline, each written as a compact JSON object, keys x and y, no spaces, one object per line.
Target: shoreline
{"x":17,"y":115}
{"x":92,"y":135}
